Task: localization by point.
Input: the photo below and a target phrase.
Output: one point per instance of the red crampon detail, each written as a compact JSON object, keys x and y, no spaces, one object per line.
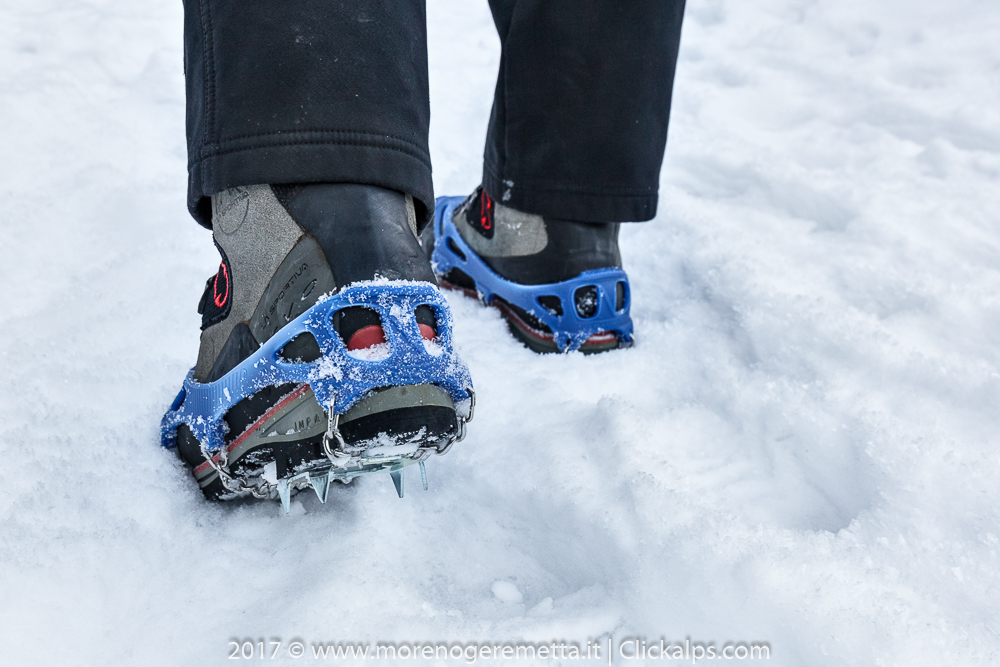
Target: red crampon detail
{"x":366,"y":337}
{"x":427,"y":331}
{"x":373,"y":334}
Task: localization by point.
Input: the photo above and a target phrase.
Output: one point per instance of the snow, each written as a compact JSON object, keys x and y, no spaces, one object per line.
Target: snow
{"x":375,"y":352}
{"x":800,"y":450}
{"x":507,"y":592}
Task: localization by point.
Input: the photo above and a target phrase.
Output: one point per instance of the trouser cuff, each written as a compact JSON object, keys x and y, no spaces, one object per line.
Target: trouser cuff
{"x":312,"y":157}
{"x":602,"y":204}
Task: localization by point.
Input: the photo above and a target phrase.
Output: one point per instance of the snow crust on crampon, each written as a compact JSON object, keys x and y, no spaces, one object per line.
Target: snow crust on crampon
{"x":338,"y":379}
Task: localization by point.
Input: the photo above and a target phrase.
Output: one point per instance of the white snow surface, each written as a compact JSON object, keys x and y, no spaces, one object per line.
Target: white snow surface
{"x":801,"y":449}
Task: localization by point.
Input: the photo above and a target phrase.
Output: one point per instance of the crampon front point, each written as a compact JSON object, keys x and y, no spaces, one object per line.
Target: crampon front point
{"x":316,"y":395}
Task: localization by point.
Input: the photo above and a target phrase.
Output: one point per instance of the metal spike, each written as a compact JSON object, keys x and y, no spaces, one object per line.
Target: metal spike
{"x":423,"y":474}
{"x":285,"y":494}
{"x":397,"y":480}
{"x":321,"y":485}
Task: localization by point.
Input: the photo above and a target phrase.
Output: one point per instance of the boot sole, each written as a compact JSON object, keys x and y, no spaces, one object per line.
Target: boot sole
{"x":390,"y":426}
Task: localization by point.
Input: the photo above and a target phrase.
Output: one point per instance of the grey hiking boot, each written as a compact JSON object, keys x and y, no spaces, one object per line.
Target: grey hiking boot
{"x":557,"y":283}
{"x":285,"y":249}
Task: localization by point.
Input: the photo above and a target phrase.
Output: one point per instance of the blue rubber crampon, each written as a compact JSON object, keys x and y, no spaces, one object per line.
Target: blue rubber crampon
{"x":337,"y":379}
{"x":569,"y":330}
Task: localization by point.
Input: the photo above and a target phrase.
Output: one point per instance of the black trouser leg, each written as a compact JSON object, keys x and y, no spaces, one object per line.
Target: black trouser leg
{"x":579,"y":120}
{"x":306,"y":91}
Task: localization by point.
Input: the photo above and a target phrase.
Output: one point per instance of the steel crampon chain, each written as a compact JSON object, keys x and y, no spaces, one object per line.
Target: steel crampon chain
{"x":232,"y":484}
{"x":460,"y":435}
{"x":228,"y":481}
{"x":336,"y":454}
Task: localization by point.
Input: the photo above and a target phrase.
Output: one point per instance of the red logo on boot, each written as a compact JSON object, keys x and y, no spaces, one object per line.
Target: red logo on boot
{"x":221,"y":299}
{"x":481,"y":220}
{"x":486,"y":211}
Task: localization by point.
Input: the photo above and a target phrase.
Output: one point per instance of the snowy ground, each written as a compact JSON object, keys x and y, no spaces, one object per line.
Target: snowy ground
{"x":801,"y":450}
